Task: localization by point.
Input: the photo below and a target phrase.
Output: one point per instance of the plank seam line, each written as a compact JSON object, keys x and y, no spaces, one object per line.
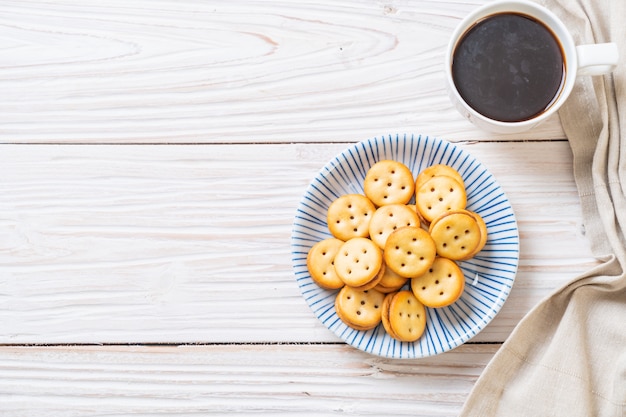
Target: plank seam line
{"x":147,"y":344}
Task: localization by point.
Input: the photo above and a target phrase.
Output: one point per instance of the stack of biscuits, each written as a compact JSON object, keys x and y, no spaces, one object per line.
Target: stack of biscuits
{"x":390,"y":260}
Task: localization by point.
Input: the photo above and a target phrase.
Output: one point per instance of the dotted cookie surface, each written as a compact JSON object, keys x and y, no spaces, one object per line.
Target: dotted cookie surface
{"x":359,"y":309}
{"x":406,"y":316}
{"x":387,"y":219}
{"x":456,"y":235}
{"x":349,"y":216}
{"x":373,"y":283}
{"x":320,"y":262}
{"x":358,"y":261}
{"x":441,"y":285}
{"x":389,"y":182}
{"x":409,"y":251}
{"x":383,"y":243}
{"x":438,"y":195}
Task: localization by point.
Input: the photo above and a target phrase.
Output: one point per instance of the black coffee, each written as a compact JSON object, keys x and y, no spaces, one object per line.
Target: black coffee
{"x":508,"y":67}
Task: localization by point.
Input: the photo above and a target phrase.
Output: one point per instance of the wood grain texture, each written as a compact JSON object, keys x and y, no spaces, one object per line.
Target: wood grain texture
{"x":190,"y":244}
{"x":303,"y":380}
{"x":228,"y":72}
{"x":152,"y":155}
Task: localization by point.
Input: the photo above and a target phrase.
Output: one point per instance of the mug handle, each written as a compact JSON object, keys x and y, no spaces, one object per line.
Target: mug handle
{"x":597,"y":58}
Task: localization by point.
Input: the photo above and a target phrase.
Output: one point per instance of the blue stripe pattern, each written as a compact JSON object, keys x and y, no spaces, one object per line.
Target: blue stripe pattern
{"x":489,"y":276}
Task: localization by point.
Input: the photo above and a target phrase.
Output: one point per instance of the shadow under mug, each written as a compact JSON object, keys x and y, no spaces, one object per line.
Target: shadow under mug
{"x":590,"y":59}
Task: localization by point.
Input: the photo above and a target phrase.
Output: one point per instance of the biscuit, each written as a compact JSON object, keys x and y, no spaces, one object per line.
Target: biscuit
{"x":482,"y":226}
{"x":407,"y":317}
{"x":374,"y":282}
{"x":456,"y":234}
{"x":349,"y":215}
{"x":389,"y":182}
{"x":388,"y":218}
{"x":441,"y":285}
{"x":385,"y":315}
{"x":438,"y":195}
{"x":409,"y":251}
{"x":390,"y":258}
{"x":358,"y":261}
{"x":435,"y":171}
{"x":320,"y":262}
{"x":390,"y":281}
{"x":423,"y":223}
{"x":360,"y":310}
{"x":387,"y":290}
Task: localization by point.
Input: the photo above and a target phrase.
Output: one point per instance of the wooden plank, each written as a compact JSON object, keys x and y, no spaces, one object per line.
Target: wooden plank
{"x":309,"y":380}
{"x":237,"y":71}
{"x":150,"y":244}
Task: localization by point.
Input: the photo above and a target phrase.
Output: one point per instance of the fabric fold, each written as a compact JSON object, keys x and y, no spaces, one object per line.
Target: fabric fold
{"x":567,"y":356}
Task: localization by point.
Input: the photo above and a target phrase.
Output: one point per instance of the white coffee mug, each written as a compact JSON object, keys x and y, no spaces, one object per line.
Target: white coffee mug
{"x":592,"y":59}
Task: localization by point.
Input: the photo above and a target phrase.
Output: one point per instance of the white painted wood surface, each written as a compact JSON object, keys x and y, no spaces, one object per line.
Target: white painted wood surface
{"x":250,"y":380}
{"x":227,"y":71}
{"x":190,"y":243}
{"x":152,"y":154}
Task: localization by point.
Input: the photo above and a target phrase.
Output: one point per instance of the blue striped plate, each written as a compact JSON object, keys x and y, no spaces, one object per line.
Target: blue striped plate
{"x":488,"y":277}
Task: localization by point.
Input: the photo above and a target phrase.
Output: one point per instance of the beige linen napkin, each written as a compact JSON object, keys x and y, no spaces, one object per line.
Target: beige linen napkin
{"x":567,"y":357}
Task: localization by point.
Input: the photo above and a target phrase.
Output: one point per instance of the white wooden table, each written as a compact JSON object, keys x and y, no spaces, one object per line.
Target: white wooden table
{"x":152,"y":154}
